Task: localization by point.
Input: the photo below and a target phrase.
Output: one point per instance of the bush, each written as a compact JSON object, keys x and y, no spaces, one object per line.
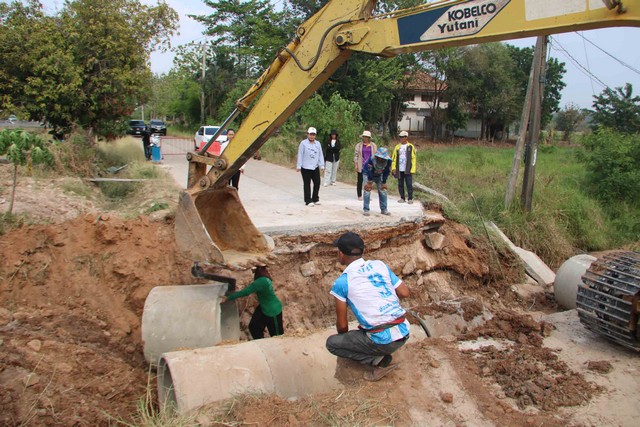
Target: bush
{"x":611,"y":160}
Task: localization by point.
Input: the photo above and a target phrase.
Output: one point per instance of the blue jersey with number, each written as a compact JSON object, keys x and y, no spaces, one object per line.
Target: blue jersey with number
{"x":368,"y":288}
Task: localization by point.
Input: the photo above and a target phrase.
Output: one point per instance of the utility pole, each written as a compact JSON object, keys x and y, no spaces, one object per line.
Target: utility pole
{"x":531,"y":149}
{"x":202,"y":117}
{"x":524,"y":121}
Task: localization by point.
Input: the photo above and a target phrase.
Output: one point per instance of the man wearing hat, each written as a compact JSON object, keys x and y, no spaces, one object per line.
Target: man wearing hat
{"x":377,"y":170}
{"x":310,"y":162}
{"x":364,"y":151}
{"x":372,"y":291}
{"x":404,"y":166}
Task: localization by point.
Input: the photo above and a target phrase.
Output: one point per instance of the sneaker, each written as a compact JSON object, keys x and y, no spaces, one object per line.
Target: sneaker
{"x":360,"y":198}
{"x":410,"y":202}
{"x":317,"y":203}
{"x":326,"y":185}
{"x":333,"y":183}
{"x":401,"y":201}
{"x":311,"y":204}
{"x":366,"y":213}
{"x":386,"y":213}
{"x":377,"y":373}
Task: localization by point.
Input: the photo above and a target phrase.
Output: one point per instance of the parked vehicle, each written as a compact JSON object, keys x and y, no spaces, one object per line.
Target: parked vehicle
{"x":158,"y":126}
{"x":205,"y":133}
{"x":136,"y":127}
{"x":12,"y":119}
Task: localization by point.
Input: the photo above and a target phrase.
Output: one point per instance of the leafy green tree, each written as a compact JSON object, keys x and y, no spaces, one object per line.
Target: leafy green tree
{"x":339,"y":113}
{"x":87,"y":66}
{"x":22,"y":148}
{"x":611,"y":159}
{"x":568,"y":120}
{"x":617,"y":109}
{"x":554,"y":84}
{"x":250,"y":31}
{"x":483,"y":84}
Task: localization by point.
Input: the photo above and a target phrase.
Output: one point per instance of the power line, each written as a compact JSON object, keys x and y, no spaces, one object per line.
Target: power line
{"x":631,"y":67}
{"x":577,"y":63}
{"x":584,"y":45}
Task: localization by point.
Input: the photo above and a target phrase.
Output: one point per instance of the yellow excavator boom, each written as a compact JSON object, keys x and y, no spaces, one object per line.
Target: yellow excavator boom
{"x":211,"y":223}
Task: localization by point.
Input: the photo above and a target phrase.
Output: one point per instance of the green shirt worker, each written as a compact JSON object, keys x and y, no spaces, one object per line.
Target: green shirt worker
{"x":268,"y":314}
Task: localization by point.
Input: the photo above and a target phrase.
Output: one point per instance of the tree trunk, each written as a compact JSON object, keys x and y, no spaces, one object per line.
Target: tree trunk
{"x":13,"y":189}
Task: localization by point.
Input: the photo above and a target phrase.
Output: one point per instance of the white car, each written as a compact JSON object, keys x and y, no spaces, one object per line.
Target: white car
{"x":205,"y":133}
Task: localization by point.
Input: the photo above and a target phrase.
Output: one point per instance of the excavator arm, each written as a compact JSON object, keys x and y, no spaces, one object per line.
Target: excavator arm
{"x":211,"y":223}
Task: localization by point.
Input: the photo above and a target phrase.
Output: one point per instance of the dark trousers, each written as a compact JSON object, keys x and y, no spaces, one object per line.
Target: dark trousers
{"x":359,"y":186}
{"x":405,"y":178}
{"x":309,"y":176}
{"x":356,"y":345}
{"x":235,"y":180}
{"x":259,"y":321}
{"x":147,"y":150}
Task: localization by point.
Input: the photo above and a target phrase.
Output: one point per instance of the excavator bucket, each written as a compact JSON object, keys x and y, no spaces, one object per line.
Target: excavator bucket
{"x":212,"y":226}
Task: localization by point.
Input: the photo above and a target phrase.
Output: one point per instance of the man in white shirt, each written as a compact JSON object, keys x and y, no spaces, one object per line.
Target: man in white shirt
{"x":310,"y":163}
{"x":372,"y":291}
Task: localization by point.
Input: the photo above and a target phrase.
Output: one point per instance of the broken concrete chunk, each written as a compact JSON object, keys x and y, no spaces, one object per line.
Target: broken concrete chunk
{"x":308,"y":269}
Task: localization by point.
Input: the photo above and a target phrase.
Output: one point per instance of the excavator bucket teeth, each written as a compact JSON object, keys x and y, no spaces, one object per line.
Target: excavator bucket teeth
{"x":212,"y":226}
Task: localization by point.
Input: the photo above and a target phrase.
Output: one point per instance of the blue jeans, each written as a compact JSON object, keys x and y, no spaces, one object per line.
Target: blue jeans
{"x":382,"y":194}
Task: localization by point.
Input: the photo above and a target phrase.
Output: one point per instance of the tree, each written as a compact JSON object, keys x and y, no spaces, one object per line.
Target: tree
{"x":617,"y":109}
{"x":484,"y":81}
{"x":22,"y":148}
{"x":88,"y":66}
{"x":568,"y":120}
{"x":554,"y":84}
{"x":251,"y":31}
{"x":611,"y":160}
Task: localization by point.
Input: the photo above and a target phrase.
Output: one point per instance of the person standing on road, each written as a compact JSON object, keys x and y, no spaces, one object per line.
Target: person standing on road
{"x":377,"y":170}
{"x":268,"y":314}
{"x":363,"y":152}
{"x":146,"y":142}
{"x":310,"y":162}
{"x":235,"y":179}
{"x":372,"y":291}
{"x":404,"y":166}
{"x":331,"y":158}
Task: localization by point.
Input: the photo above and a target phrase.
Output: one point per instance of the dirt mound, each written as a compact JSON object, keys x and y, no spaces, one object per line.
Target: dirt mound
{"x":72,"y":300}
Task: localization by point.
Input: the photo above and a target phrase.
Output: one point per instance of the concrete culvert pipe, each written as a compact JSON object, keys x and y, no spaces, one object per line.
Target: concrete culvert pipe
{"x":287,"y":366}
{"x":187,"y":317}
{"x":569,"y":277}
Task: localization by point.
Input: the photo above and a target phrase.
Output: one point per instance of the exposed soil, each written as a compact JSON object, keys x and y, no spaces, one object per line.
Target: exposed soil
{"x":73,"y":290}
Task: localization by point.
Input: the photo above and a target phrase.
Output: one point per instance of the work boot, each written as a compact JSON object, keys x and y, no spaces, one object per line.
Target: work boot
{"x":376,"y":373}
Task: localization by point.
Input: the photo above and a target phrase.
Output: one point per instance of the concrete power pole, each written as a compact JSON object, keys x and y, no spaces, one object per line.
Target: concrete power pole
{"x":202,"y":117}
{"x":531,"y":150}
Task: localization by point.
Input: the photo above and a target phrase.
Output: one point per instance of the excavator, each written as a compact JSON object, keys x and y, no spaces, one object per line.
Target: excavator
{"x":213,"y":228}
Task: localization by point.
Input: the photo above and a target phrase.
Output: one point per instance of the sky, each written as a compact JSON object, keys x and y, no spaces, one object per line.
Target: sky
{"x":618,"y":43}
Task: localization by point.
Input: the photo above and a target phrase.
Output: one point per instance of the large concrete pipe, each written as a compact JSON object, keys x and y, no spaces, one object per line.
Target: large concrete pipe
{"x":287,"y":366}
{"x":569,"y":277}
{"x":187,"y":317}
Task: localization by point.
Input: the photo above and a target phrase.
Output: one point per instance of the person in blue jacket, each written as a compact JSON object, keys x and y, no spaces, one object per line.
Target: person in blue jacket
{"x":377,"y":170}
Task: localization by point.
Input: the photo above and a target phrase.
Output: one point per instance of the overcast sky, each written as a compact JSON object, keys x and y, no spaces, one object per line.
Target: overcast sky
{"x":618,"y":43}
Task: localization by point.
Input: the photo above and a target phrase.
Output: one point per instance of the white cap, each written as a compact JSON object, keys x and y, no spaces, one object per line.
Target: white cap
{"x":403,"y":133}
{"x":366,"y":133}
{"x":312,"y":130}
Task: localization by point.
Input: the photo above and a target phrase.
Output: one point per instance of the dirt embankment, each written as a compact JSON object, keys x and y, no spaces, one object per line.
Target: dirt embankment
{"x":73,"y":295}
